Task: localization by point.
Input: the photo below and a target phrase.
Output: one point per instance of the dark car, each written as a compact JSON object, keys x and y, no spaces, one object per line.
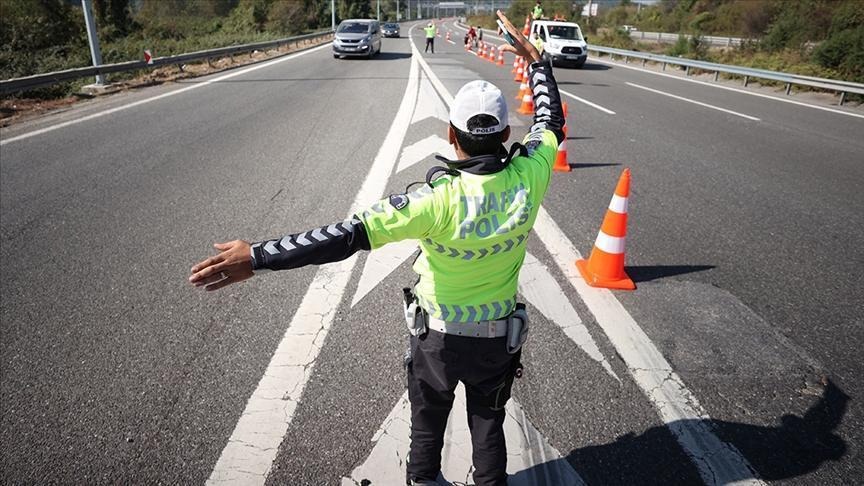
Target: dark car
{"x":390,"y":30}
{"x":357,"y":37}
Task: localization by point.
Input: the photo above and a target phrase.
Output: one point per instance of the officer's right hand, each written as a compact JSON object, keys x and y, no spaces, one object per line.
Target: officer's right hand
{"x":523,"y":47}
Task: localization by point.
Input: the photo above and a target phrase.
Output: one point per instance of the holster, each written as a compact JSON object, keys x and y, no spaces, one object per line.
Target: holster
{"x":517,"y":329}
{"x":415,"y":318}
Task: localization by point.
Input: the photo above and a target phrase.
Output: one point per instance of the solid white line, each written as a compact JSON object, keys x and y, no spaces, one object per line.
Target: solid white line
{"x":727,"y":88}
{"x":706,"y":105}
{"x":717,"y":462}
{"x":254,"y":443}
{"x":583,"y":100}
{"x":159,"y":97}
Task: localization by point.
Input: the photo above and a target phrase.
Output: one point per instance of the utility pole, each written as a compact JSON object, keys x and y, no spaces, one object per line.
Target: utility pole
{"x":93,"y":38}
{"x":398,"y":15}
{"x":379,"y":11}
{"x":333,"y":15}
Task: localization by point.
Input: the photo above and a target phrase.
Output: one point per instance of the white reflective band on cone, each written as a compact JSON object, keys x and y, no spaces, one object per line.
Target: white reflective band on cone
{"x":618,"y":204}
{"x":609,"y":244}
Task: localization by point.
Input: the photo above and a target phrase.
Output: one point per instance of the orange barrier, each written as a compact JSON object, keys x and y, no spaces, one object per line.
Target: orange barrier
{"x":605,"y":267}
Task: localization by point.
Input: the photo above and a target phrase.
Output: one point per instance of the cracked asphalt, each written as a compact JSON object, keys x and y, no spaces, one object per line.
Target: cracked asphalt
{"x":742,"y":238}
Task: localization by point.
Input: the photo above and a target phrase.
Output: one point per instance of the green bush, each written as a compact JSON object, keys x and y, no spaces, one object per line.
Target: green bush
{"x":844,"y":52}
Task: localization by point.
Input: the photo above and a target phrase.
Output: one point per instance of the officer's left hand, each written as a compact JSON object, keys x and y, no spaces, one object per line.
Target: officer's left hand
{"x":233,"y":264}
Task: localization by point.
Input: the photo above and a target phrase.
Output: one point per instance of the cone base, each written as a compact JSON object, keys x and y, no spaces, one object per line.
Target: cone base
{"x":619,"y":284}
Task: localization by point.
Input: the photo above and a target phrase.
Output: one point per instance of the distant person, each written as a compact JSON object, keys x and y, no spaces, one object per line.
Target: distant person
{"x":537,"y":14}
{"x":537,"y":42}
{"x":430,"y":37}
{"x":480,"y":33}
{"x":472,"y":36}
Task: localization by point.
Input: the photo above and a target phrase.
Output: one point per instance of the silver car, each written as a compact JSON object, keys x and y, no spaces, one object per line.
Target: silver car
{"x":390,"y":30}
{"x":357,"y":37}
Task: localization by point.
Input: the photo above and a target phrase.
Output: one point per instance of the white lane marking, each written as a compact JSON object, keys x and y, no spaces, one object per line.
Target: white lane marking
{"x":706,"y":105}
{"x":429,"y":105}
{"x":159,"y":97}
{"x":381,"y":263}
{"x":583,"y":100}
{"x":717,"y":462}
{"x":252,"y":447}
{"x":535,"y":463}
{"x":540,"y":288}
{"x":727,"y":88}
{"x":419,"y":151}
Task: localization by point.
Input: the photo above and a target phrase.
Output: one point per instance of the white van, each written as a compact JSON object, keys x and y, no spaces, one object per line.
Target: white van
{"x":563,"y":42}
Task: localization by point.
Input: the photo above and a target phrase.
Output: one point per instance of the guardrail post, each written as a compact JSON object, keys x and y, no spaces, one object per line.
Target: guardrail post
{"x":746,"y":80}
{"x":788,"y":88}
{"x":626,"y":60}
{"x":644,"y":61}
{"x":664,"y":66}
{"x":842,"y":97}
{"x":716,"y":76}
{"x":687,"y":71}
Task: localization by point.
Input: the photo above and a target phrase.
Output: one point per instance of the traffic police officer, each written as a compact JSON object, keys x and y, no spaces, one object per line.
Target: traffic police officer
{"x":471,"y":224}
{"x":430,"y":31}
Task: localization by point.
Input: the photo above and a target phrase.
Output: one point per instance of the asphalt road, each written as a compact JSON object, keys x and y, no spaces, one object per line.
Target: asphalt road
{"x":743,"y":240}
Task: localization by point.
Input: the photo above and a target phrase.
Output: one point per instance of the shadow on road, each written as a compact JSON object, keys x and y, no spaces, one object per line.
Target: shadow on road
{"x":580,"y":138}
{"x":589,"y":165}
{"x":799,"y":445}
{"x":382,"y":56}
{"x":646,"y":273}
{"x":590,"y":66}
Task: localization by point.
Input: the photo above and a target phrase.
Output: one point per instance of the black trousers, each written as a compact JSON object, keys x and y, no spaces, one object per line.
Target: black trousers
{"x":430,"y":42}
{"x":439,"y":362}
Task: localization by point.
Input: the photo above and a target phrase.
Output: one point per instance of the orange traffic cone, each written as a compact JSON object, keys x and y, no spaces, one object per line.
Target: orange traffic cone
{"x":500,"y":58}
{"x":605,"y":267}
{"x":519,"y":74}
{"x":527,"y":107}
{"x":516,"y":65}
{"x":448,"y":35}
{"x":526,"y":31}
{"x":523,"y":88}
{"x":561,"y":164}
{"x":491,"y":56}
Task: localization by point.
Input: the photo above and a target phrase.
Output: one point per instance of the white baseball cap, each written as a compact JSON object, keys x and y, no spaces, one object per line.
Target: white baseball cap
{"x":479,"y":98}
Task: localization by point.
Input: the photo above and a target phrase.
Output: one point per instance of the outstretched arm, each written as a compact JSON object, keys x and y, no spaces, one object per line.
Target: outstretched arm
{"x":548,"y":112}
{"x":238,"y":260}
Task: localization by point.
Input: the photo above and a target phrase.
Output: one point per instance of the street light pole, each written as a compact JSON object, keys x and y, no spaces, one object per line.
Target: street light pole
{"x":379,"y":11}
{"x":93,"y":38}
{"x":333,"y":15}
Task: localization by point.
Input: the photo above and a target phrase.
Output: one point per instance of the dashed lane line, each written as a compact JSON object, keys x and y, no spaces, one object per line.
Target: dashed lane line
{"x":706,"y":105}
{"x":583,"y":100}
{"x":727,"y":88}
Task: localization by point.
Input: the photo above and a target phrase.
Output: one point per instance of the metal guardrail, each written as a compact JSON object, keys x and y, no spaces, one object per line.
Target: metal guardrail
{"x":35,"y":81}
{"x":672,"y":38}
{"x":843,"y":87}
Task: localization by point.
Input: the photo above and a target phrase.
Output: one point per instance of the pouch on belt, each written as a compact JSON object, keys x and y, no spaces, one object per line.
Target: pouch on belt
{"x":414,"y":316}
{"x":517,"y":329}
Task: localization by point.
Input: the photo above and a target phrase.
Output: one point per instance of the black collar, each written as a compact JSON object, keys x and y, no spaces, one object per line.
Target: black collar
{"x":478,"y":165}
